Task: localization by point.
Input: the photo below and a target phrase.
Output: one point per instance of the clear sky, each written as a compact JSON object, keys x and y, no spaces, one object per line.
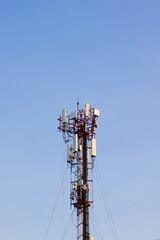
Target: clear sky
{"x":103,"y":52}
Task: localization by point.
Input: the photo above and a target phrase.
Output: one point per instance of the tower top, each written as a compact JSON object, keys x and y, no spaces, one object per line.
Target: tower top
{"x":71,"y":124}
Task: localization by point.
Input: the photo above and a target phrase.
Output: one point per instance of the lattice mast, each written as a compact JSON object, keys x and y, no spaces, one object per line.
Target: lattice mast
{"x":80,"y":128}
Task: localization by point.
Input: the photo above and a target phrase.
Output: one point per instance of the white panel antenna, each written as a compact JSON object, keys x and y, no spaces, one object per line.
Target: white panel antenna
{"x":96,"y":112}
{"x":87,"y":110}
{"x":69,"y":153}
{"x":75,"y":143}
{"x":93,"y":154}
{"x":64,"y":115}
{"x":88,"y":155}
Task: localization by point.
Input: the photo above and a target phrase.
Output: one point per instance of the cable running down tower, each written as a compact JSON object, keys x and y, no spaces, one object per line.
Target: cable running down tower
{"x":80,"y":128}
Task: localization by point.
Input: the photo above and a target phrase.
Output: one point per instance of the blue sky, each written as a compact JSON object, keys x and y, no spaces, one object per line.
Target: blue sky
{"x":106,"y":53}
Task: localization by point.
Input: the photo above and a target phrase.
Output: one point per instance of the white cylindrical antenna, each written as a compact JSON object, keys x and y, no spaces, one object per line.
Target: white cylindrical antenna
{"x":93,"y":154}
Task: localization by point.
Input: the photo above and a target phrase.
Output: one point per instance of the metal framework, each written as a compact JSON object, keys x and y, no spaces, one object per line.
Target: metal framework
{"x":80,"y":127}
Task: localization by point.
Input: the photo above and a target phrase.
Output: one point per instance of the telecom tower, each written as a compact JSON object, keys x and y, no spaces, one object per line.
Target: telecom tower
{"x":80,"y":128}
